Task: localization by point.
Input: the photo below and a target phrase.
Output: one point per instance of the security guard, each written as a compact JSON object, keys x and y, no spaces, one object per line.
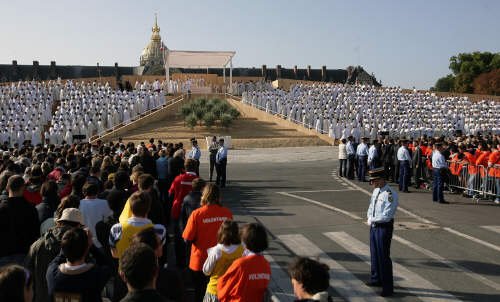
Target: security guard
{"x":404,"y":159}
{"x":362,"y":154}
{"x":383,"y":205}
{"x":439,"y":167}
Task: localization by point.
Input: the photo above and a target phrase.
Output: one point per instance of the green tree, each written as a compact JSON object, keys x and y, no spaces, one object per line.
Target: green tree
{"x":191,"y":121}
{"x":445,"y":84}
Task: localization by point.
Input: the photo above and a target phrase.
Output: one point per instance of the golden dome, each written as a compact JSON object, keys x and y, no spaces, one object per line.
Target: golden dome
{"x":152,"y":53}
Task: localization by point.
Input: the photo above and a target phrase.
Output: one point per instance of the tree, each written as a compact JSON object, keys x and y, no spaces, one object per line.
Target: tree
{"x":488,"y":83}
{"x":466,"y":67}
{"x":208,"y":112}
{"x":445,"y":84}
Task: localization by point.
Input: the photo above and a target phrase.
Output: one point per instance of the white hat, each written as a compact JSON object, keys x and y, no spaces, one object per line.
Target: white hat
{"x":71,"y":215}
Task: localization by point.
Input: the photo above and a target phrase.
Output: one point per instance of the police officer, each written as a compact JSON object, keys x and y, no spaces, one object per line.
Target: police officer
{"x":362,"y":154}
{"x":404,"y":159}
{"x":220,"y":164}
{"x":195,"y":154}
{"x":439,"y":167}
{"x":212,"y":149}
{"x":380,"y":215}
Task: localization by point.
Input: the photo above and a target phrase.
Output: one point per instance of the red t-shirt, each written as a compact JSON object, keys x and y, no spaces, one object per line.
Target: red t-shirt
{"x":245,"y":280}
{"x":181,"y":186}
{"x":201,"y":230}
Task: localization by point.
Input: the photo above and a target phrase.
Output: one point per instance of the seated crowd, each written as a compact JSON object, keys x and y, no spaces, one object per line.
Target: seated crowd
{"x":82,"y":222}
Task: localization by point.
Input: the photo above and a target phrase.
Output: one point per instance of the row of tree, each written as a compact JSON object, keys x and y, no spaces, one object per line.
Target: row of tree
{"x":208,"y":113}
{"x":477,"y":72}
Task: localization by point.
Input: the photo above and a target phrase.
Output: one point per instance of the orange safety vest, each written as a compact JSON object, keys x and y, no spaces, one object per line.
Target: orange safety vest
{"x":472,"y":163}
{"x":455,"y":166}
{"x":482,"y":162}
{"x":494,"y":159}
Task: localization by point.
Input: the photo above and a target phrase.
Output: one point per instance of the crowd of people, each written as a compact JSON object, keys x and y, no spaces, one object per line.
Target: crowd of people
{"x":470,"y":164}
{"x":89,"y":222}
{"x":339,"y":110}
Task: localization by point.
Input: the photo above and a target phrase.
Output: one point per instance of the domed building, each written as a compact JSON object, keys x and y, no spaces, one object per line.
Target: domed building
{"x":152,"y":55}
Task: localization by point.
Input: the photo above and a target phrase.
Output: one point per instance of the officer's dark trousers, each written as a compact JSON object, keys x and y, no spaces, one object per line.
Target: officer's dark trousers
{"x":212,"y":165}
{"x":221,"y":173}
{"x":404,"y":175}
{"x":361,"y":168}
{"x":350,"y":166}
{"x":380,"y":252}
{"x":437,"y":186}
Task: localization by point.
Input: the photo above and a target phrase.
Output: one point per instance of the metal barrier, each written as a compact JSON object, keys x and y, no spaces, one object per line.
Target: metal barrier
{"x":476,"y":181}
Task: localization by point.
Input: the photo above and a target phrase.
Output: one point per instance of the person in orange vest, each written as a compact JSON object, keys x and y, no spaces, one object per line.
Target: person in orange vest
{"x":494,"y":171}
{"x":470,"y":157}
{"x":482,"y":162}
{"x":248,"y":277}
{"x":201,"y":231}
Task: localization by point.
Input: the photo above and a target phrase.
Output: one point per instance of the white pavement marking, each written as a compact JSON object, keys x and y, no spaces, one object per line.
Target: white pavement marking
{"x":319,"y":191}
{"x":413,"y":283}
{"x":487,"y":244}
{"x":321,"y":205}
{"x":280,"y":284}
{"x":399,"y":208}
{"x":493,"y":228}
{"x":448,"y":263}
{"x":342,"y":280}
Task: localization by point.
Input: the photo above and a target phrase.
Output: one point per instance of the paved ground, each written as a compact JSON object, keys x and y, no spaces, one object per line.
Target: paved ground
{"x":440,"y":252}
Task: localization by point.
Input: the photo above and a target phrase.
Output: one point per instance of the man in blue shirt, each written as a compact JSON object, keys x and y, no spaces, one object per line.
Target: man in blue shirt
{"x":162,"y":173}
{"x":351,"y":157}
{"x":362,"y":154}
{"x":439,"y":167}
{"x":380,"y":218}
{"x":195,"y":154}
{"x":220,"y":164}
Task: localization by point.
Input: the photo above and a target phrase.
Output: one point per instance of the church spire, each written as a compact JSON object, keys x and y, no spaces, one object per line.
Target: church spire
{"x":156,"y":29}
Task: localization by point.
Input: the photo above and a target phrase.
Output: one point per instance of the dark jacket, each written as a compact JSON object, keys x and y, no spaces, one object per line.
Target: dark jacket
{"x":148,"y":163}
{"x":175,"y":167}
{"x":191,"y":202}
{"x":87,"y":281}
{"x":19,"y":226}
{"x":156,"y":214}
{"x":45,"y":209}
{"x":149,"y":295}
{"x":41,"y":253}
{"x":116,"y":200}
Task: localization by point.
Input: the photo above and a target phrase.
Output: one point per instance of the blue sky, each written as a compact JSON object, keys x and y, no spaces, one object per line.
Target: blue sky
{"x":405,"y":43}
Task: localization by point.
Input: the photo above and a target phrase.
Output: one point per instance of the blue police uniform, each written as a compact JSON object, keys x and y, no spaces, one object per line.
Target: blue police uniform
{"x":404,"y":159}
{"x":362,"y":153}
{"x":383,"y":205}
{"x":438,"y":164}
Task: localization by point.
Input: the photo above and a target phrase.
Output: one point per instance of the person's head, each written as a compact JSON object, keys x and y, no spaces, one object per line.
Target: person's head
{"x":140,"y":204}
{"x":16,"y":284}
{"x":70,"y":201}
{"x":121,"y":180}
{"x":95,"y":171}
{"x":254,"y":236}
{"x":90,"y":190}
{"x":75,"y":245}
{"x":221,"y":141}
{"x":49,"y":191}
{"x":139,"y":267}
{"x":210,"y":195}
{"x":179,"y":153}
{"x":228,"y":233}
{"x":134,"y":178}
{"x":343,"y":141}
{"x":190,"y":165}
{"x":151,"y":239}
{"x":198,"y":184}
{"x":377,"y":177}
{"x":15,"y":186}
{"x":194,"y":143}
{"x":145,"y":182}
{"x":308,"y":277}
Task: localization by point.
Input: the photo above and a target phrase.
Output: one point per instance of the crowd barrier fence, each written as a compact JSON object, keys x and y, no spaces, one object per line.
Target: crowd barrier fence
{"x":477,"y":181}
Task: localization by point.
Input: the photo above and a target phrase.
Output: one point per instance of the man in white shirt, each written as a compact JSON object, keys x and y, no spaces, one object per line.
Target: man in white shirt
{"x":93,"y":209}
{"x":404,"y":159}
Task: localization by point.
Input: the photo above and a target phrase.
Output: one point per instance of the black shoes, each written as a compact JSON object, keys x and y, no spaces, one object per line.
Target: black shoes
{"x":373,"y":284}
{"x":386,"y":294}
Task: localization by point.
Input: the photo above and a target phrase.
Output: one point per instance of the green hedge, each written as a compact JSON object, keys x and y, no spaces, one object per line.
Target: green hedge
{"x":208,"y":113}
